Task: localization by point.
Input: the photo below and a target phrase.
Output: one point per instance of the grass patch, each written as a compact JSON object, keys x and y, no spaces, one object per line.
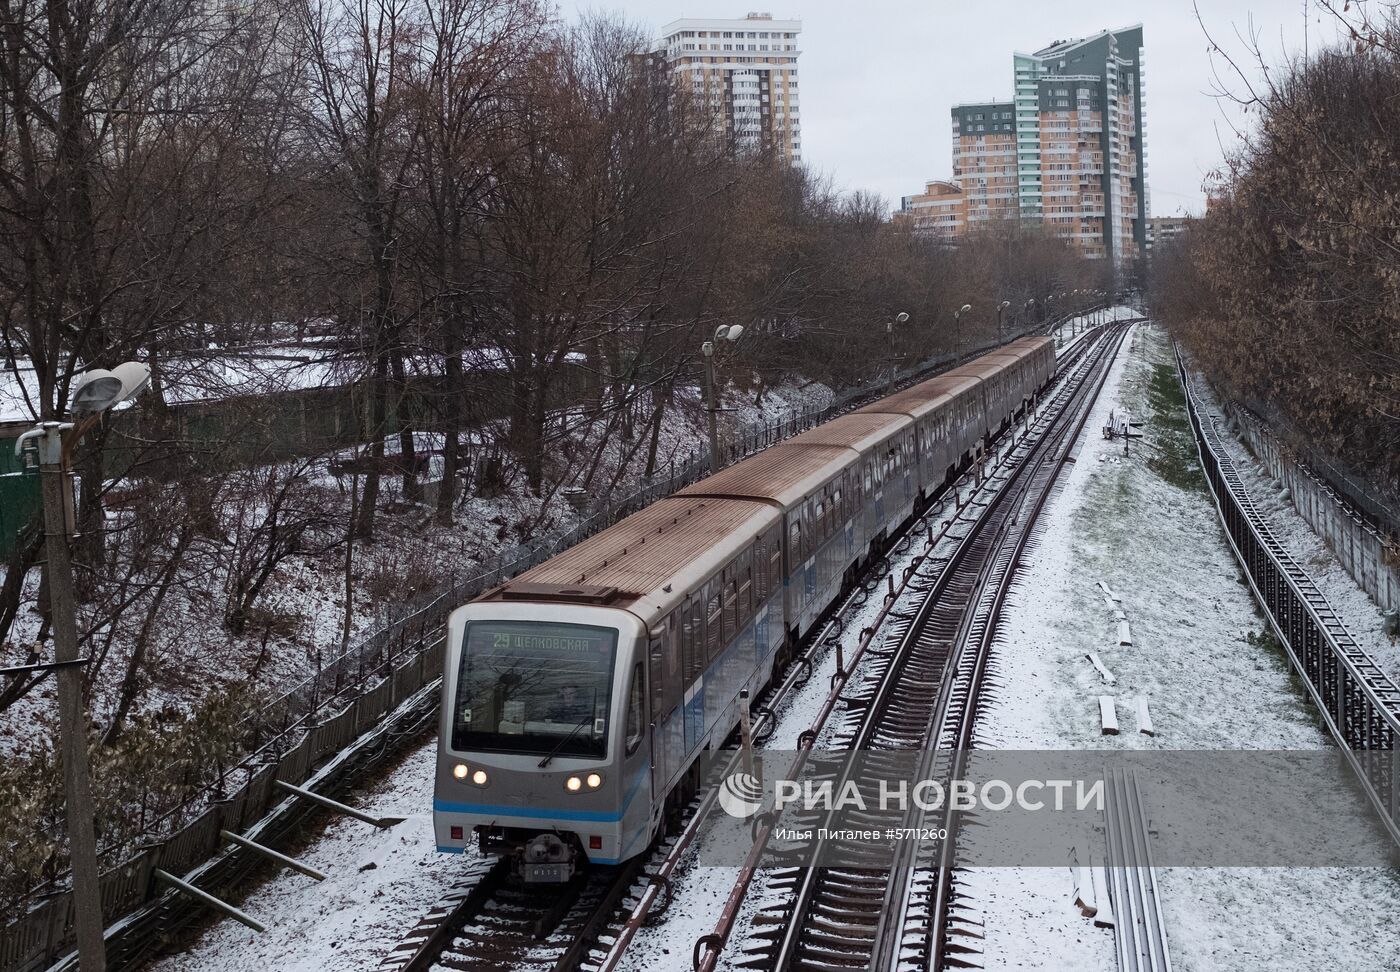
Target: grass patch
{"x":1174,"y":456}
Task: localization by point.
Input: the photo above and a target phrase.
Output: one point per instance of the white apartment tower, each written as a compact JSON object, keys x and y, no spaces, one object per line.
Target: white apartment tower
{"x":745,"y":71}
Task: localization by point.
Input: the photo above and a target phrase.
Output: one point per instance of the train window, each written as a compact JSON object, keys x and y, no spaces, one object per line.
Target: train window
{"x":712,"y":623}
{"x":795,"y":541}
{"x":746,"y":605}
{"x":760,"y":558}
{"x":775,"y":562}
{"x":731,"y":611}
{"x":697,"y":656}
{"x":636,"y":711}
{"x":820,"y":520}
{"x":656,"y":654}
{"x":836,"y":505}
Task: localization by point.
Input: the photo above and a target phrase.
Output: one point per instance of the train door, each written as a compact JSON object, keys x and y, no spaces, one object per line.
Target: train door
{"x":693,"y":666}
{"x":792,"y":578}
{"x":638,"y":819}
{"x":665,"y":681}
{"x":906,"y":447}
{"x":879,"y":470}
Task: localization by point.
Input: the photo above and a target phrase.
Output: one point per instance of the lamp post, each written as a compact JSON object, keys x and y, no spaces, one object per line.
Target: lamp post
{"x":725,"y":332}
{"x":899,"y":318}
{"x":94,"y":392}
{"x":957,"y":331}
{"x":1028,"y":309}
{"x":1001,"y":309}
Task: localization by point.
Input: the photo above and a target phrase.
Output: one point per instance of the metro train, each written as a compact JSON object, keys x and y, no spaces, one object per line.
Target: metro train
{"x":578,"y":697}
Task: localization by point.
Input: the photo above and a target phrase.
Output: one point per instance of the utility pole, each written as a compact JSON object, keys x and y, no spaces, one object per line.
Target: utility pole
{"x":899,"y":318}
{"x":957,"y":331}
{"x":93,"y":393}
{"x":725,"y":332}
{"x":77,"y":780}
{"x":708,"y":350}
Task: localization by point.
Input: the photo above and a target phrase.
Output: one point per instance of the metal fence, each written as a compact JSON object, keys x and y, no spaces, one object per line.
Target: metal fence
{"x":349,"y":699}
{"x":1365,"y":544}
{"x":1358,"y":703}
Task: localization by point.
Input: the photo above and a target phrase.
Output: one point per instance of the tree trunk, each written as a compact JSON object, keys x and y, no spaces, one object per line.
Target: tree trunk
{"x":364,"y":522}
{"x":408,"y":455}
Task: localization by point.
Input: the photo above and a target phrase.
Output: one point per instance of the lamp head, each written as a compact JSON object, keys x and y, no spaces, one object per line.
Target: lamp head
{"x":708,"y":348}
{"x":95,"y":391}
{"x":1005,"y":304}
{"x":901,"y":317}
{"x":965,"y":308}
{"x":98,"y":389}
{"x":735,"y":332}
{"x":135,"y":377}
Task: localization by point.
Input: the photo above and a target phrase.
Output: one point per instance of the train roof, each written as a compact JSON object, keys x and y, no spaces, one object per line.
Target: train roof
{"x":857,"y":430}
{"x":781,"y":474}
{"x":990,"y":365}
{"x":632,"y":562}
{"x":924,"y":397}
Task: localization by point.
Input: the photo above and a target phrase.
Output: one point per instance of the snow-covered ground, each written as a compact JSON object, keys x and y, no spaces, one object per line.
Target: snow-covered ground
{"x":378,"y":884}
{"x":1143,"y":525}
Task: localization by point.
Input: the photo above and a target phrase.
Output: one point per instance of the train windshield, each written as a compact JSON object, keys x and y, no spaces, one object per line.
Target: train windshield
{"x":534,"y":687}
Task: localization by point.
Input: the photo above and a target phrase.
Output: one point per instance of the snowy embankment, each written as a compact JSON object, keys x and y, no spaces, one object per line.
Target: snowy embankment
{"x":1144,"y":525}
{"x":1363,"y":616}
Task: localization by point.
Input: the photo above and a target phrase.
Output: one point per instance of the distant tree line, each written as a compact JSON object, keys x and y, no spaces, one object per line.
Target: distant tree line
{"x":1288,"y":290}
{"x":420,"y":179}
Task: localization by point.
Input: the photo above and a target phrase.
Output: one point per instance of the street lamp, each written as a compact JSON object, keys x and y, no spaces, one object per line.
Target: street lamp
{"x":957,"y":331}
{"x":899,"y":318}
{"x":1001,"y":309}
{"x":94,"y":392}
{"x":725,"y":332}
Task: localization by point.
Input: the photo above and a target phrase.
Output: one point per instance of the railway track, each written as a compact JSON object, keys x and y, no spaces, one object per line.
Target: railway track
{"x":1139,"y":931}
{"x":919,"y":699}
{"x":489,"y":923}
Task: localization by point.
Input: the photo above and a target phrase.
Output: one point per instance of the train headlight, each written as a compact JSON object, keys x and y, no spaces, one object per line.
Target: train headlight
{"x":594,"y":780}
{"x":573,"y":784}
{"x":460,"y":771}
{"x":480,"y":778}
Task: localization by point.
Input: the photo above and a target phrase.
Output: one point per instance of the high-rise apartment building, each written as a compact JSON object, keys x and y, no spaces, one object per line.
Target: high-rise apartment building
{"x":1068,"y":151}
{"x":984,"y":159}
{"x":1080,"y":150}
{"x":940,"y":211}
{"x":745,"y":72}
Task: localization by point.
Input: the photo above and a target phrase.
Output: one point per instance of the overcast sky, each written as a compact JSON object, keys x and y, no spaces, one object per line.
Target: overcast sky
{"x":879,"y":76}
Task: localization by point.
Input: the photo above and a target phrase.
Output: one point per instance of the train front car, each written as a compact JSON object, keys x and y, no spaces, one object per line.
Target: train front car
{"x":540,"y":753}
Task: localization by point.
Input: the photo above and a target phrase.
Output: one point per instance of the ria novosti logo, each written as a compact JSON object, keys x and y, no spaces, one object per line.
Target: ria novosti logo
{"x":741,"y":795}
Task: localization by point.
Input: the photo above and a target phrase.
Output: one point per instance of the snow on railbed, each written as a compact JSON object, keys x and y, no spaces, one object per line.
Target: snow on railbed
{"x":378,"y":884}
{"x":1144,"y":525}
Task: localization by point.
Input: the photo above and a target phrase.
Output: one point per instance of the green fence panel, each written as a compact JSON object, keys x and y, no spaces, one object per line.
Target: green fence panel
{"x":19,"y":503}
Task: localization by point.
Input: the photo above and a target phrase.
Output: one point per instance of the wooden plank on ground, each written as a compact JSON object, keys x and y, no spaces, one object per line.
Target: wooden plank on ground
{"x":1144,"y":718}
{"x":1104,"y":673}
{"x":1108,"y":716}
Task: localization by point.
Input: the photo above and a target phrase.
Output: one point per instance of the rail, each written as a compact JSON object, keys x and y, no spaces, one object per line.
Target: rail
{"x":1139,"y":928}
